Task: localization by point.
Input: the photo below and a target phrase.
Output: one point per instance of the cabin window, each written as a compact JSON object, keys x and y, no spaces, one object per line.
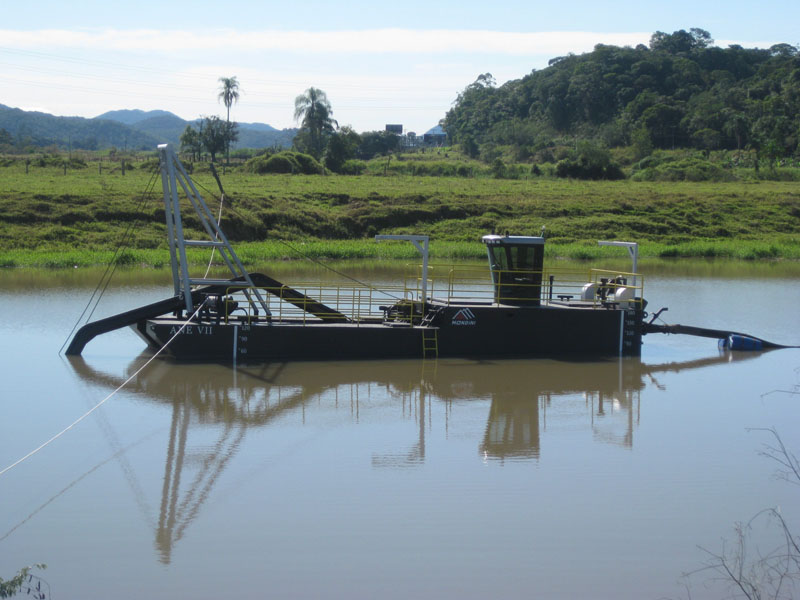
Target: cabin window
{"x":516,"y":258}
{"x":522,"y":258}
{"x":499,"y":258}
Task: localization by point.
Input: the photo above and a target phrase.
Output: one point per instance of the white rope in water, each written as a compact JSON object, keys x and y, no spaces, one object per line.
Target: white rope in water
{"x":106,"y":399}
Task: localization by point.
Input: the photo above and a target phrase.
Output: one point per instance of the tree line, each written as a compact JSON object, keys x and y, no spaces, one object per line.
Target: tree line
{"x":319,"y":135}
{"x":678,"y":92}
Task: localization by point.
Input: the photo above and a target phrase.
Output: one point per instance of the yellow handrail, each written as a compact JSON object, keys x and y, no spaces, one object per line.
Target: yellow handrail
{"x":446,"y":284}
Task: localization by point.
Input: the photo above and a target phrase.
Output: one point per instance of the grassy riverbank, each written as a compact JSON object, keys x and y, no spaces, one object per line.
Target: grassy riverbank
{"x":49,"y":217}
{"x":259,"y":253}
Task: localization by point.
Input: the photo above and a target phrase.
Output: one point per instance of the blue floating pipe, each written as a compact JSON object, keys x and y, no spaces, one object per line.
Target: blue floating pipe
{"x":727,"y":339}
{"x":741,"y":342}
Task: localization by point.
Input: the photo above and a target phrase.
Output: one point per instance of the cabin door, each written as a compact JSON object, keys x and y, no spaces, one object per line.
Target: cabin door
{"x":517,"y":273}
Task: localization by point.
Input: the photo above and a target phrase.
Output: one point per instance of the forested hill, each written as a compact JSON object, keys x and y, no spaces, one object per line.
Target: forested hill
{"x":128,"y":129}
{"x":37,"y":129}
{"x":680,"y":91}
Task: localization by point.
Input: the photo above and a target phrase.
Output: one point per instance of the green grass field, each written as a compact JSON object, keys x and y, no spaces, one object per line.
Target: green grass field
{"x":55,"y":219}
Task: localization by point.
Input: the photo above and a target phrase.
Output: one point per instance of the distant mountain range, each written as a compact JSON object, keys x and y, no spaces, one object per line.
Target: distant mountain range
{"x":130,"y":129}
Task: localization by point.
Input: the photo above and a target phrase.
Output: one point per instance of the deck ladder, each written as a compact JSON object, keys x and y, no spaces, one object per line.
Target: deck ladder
{"x":430,"y":342}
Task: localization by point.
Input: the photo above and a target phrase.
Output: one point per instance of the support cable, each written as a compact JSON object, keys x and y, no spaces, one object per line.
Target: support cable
{"x":107,"y":398}
{"x":216,"y":236}
{"x":105,"y":279}
{"x":219,"y":218}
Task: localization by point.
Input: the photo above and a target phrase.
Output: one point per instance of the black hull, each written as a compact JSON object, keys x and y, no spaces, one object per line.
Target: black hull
{"x":457,"y":331}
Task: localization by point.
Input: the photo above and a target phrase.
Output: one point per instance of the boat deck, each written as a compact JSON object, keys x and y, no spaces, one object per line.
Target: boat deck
{"x":454,"y":286}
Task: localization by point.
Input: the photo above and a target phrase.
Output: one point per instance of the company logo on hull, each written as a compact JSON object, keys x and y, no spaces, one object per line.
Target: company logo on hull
{"x":463,"y":317}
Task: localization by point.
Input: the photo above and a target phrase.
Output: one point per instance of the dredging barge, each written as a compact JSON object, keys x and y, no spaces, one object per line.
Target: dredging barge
{"x":520,"y":308}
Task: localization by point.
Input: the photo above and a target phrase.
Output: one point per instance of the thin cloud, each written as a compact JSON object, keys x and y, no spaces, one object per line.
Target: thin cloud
{"x":395,"y":41}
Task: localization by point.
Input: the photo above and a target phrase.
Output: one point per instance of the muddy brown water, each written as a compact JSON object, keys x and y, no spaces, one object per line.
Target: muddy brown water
{"x":394,"y":479}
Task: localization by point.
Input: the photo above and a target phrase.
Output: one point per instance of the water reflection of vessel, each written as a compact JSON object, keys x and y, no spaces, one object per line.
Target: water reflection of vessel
{"x":515,"y":308}
{"x":525,"y":398}
{"x":254,"y":395}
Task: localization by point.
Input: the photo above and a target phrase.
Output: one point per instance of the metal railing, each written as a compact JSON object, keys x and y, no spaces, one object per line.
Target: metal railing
{"x":359,"y":304}
{"x":459,"y":284}
{"x":446,"y":284}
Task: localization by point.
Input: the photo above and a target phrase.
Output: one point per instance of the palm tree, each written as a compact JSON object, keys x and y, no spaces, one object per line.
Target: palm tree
{"x":315,"y":111}
{"x":229,"y":94}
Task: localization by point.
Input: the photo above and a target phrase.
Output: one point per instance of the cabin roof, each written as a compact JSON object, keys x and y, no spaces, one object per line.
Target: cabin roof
{"x":512,"y":240}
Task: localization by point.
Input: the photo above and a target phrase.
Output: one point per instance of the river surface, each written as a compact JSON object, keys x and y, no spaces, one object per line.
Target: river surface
{"x":394,"y":479}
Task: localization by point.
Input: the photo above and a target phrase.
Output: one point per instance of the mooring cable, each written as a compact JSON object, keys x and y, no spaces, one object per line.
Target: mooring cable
{"x":73,"y":483}
{"x":105,"y":279}
{"x":107,"y":398}
{"x":114,"y":260}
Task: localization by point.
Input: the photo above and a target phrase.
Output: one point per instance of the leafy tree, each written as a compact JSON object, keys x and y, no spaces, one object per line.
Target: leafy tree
{"x":191,"y":142}
{"x":216,"y":135}
{"x":642,"y":143}
{"x":486,"y":80}
{"x":707,"y":139}
{"x":644,"y":100}
{"x":702,"y":38}
{"x":681,"y":41}
{"x":736,"y":125}
{"x":341,"y":147}
{"x":663,"y":123}
{"x":475,"y":111}
{"x":772,"y":137}
{"x":469,"y":146}
{"x":589,"y":161}
{"x":524,"y":136}
{"x":499,"y":169}
{"x":229,"y":94}
{"x":313,"y":110}
{"x":784,"y":50}
{"x":374,"y":143}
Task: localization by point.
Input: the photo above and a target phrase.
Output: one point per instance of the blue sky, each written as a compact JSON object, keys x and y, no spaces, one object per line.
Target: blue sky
{"x":378,"y":62}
